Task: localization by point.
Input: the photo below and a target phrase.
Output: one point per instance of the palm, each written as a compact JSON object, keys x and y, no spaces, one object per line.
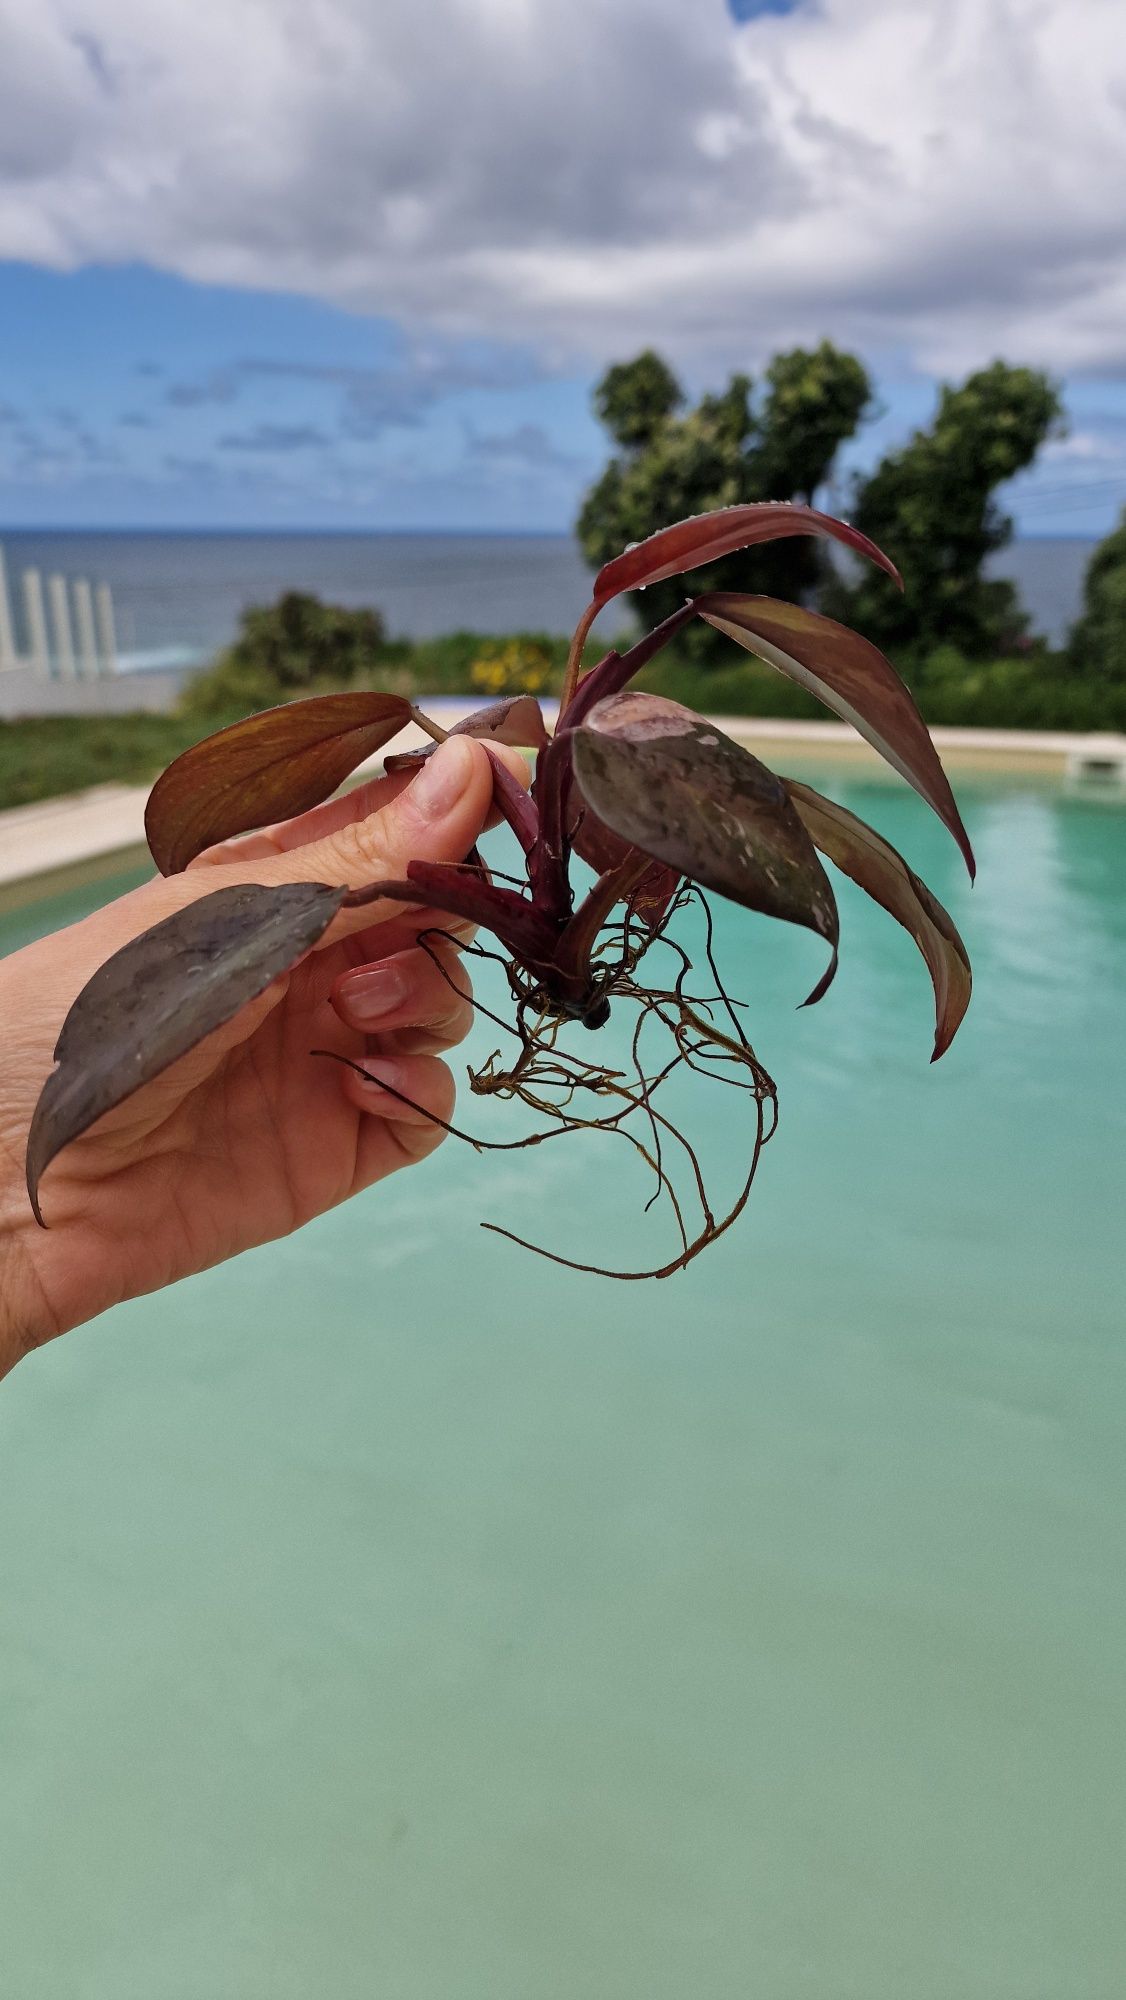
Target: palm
{"x":242,"y":1141}
{"x":252,"y":1133}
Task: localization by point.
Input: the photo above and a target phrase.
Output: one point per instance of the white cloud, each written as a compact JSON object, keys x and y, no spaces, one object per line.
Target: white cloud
{"x":937,"y":177}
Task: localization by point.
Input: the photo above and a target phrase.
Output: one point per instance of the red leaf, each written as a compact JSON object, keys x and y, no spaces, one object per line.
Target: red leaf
{"x":267,"y":768}
{"x":464,"y":892}
{"x":871,"y":861}
{"x":852,"y":678}
{"x":704,"y":538}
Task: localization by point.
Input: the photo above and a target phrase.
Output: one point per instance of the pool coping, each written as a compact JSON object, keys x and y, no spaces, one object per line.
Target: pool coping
{"x":82,"y":837}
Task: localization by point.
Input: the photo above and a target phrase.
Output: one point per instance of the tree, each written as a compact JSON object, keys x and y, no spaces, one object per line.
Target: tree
{"x":930,"y":505}
{"x":634,"y":398}
{"x":732,"y":447}
{"x":1097,"y":647}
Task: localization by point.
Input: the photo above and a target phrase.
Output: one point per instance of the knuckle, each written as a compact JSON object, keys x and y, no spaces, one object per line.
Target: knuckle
{"x":362,"y":846}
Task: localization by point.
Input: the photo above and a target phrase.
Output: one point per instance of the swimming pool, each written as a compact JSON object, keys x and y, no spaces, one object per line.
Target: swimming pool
{"x":392,"y":1613}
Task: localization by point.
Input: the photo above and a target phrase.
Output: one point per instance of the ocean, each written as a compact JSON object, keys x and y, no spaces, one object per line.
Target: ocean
{"x":178,"y":596}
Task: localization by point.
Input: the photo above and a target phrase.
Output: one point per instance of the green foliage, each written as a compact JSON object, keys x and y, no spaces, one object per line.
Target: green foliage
{"x":634,"y":398}
{"x":1097,"y":649}
{"x":733,"y":447}
{"x":930,"y":505}
{"x":294,"y":647}
{"x":1035,"y":690}
{"x":41,"y":757}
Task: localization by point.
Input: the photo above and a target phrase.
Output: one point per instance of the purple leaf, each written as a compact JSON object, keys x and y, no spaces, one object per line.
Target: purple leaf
{"x":161,"y":994}
{"x":566,"y":820}
{"x":673,"y":785}
{"x":267,"y":768}
{"x":872,"y":862}
{"x":852,"y":678}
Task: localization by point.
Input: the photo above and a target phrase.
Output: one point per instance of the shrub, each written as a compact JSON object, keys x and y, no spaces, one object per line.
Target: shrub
{"x":1097,"y":650}
{"x":297,"y":646}
{"x":512,"y":666}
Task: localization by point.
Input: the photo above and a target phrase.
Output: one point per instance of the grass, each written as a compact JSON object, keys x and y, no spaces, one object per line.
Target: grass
{"x":42,"y":757}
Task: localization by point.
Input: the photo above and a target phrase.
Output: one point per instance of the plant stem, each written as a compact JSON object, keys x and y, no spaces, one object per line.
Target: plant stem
{"x":575,"y":656}
{"x":432,"y":729}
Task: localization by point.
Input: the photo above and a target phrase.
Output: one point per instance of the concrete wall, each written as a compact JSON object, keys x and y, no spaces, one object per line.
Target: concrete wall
{"x":24,"y":692}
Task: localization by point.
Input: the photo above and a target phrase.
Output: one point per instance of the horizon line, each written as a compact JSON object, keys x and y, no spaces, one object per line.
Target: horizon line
{"x":442,"y":533}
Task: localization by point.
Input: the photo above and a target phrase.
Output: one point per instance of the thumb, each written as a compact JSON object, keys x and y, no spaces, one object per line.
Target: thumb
{"x":438,"y":817}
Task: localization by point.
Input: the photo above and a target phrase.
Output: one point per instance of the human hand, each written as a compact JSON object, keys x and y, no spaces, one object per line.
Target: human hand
{"x":248,"y":1136}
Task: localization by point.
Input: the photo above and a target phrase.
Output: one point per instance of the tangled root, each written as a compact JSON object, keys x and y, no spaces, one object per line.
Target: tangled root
{"x":574,"y":1095}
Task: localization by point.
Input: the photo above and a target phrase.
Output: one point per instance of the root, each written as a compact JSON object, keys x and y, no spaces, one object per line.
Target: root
{"x":552,"y":1082}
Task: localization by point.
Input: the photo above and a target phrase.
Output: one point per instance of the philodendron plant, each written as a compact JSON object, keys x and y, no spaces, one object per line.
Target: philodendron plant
{"x":654,"y":799}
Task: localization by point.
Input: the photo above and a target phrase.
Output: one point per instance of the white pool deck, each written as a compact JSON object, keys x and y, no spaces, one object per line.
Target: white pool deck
{"x":50,"y":845}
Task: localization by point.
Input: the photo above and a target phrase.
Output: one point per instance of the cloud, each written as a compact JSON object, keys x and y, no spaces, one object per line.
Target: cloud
{"x":372,"y":400}
{"x":936,"y":179}
{"x":220,"y":386}
{"x":401,"y":391}
{"x":527,"y":445}
{"x":42,"y":458}
{"x":274,"y":437}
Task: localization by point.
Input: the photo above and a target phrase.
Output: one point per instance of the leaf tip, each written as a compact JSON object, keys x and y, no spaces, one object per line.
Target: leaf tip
{"x":824,"y":983}
{"x":33,"y":1168}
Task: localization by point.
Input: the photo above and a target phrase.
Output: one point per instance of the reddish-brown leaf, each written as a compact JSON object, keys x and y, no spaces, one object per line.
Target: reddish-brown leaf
{"x":861,"y":852}
{"x":704,"y":538}
{"x":267,"y":768}
{"x":517,"y":721}
{"x":674,"y":786}
{"x":852,"y":678}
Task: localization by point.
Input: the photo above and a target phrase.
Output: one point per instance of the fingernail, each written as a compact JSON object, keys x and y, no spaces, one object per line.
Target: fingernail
{"x":377,"y":991}
{"x":380,"y":1070}
{"x":443,"y":778}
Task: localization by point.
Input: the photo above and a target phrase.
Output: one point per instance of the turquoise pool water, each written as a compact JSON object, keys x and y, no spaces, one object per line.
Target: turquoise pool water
{"x":393,"y":1614}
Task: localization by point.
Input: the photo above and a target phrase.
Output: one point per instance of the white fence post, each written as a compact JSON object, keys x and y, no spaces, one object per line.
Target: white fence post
{"x":60,"y":622}
{"x":107,"y":635}
{"x":36,"y":622}
{"x":7,"y":640}
{"x":84,"y":625}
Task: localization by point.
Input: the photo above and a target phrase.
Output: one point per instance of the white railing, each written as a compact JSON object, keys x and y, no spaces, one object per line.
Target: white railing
{"x":59,"y":647}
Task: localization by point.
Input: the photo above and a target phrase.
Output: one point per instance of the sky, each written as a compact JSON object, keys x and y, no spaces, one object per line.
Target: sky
{"x":330,"y":263}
